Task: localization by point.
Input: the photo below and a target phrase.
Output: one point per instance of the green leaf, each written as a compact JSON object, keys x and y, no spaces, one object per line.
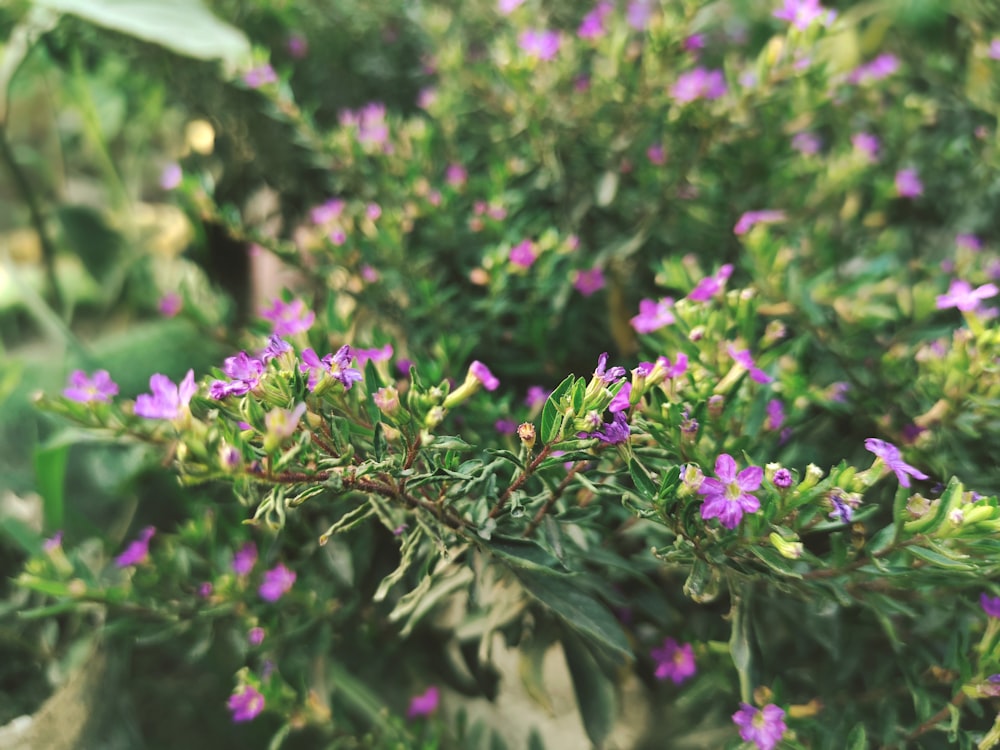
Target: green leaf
{"x":50,"y":476}
{"x":857,"y":739}
{"x":576,"y":608}
{"x":523,"y":553}
{"x":641,"y":479}
{"x":595,"y":693}
{"x":937,"y":559}
{"x":551,"y":421}
{"x":378,"y":442}
{"x":87,"y":234}
{"x":506,"y":456}
{"x":773,"y":559}
{"x":184,"y":26}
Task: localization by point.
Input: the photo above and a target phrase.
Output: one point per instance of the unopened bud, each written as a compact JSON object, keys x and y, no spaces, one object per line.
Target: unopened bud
{"x":387,"y":400}
{"x":526,"y":432}
{"x":790,"y":549}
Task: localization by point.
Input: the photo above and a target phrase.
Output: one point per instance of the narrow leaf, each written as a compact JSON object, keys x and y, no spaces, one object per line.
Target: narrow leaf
{"x":595,"y":693}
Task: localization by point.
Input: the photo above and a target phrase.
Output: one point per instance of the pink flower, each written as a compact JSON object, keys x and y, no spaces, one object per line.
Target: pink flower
{"x":968,"y":242}
{"x":964,"y":297}
{"x":482,"y":373}
{"x":506,"y":7}
{"x":277,"y":582}
{"x":744,"y":359}
{"x":424,"y":704}
{"x":763,"y":727}
{"x":653,"y":315}
{"x":589,"y":281}
{"x":289,"y":318}
{"x":803,"y":13}
{"x":327,"y":212}
{"x":994,"y":51}
{"x":167,"y":401}
{"x":638,"y":13}
{"x":298,"y":46}
{"x":730,"y":496}
{"x":908,"y":184}
{"x":84,"y":389}
{"x":592,"y":26}
{"x":867,"y":144}
{"x":455,"y":175}
{"x":674,"y":661}
{"x":751,"y":218}
{"x":169,"y":304}
{"x":138,"y":551}
{"x":806,"y":144}
{"x":260,"y":76}
{"x":881,"y":67}
{"x":171,"y":176}
{"x":656,"y":154}
{"x":246,"y":703}
{"x":523,"y":254}
{"x":699,"y":83}
{"x":540,"y":43}
{"x":710,"y":286}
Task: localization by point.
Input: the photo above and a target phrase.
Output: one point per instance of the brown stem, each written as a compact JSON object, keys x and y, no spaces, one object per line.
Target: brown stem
{"x":957,"y":700}
{"x":516,"y":484}
{"x":556,"y":494}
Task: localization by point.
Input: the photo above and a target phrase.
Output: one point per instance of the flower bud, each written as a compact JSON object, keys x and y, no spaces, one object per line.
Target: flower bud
{"x":811,"y":479}
{"x":526,"y":432}
{"x":787,"y":548}
{"x":716,"y":404}
{"x":387,"y":400}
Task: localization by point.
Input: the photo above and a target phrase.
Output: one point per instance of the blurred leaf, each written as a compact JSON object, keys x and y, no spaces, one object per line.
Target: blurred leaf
{"x":642,"y":481}
{"x":18,"y":45}
{"x":857,"y":739}
{"x":595,"y":693}
{"x":184,"y":26}
{"x":88,"y":235}
{"x":524,"y":553}
{"x":50,"y":475}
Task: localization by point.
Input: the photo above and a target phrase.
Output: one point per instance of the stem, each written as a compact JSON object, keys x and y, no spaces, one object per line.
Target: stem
{"x":516,"y":484}
{"x":556,"y":494}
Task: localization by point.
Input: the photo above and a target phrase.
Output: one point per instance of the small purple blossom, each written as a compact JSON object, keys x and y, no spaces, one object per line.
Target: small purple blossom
{"x":607,"y":376}
{"x":782,"y":479}
{"x":638,"y":14}
{"x":750,"y":219}
{"x":170,"y":304}
{"x":592,"y":26}
{"x":699,"y":83}
{"x":260,"y":76}
{"x":375,"y":354}
{"x":806,"y":144}
{"x":298,"y":46}
{"x":710,"y":286}
{"x":536,"y":396}
{"x":729,"y":497}
{"x":908,"y":184}
{"x":693,"y":43}
{"x":653,"y":315}
{"x":338,"y":366}
{"x":505,"y":426}
{"x":246,"y":703}
{"x":523,"y":254}
{"x":620,"y":402}
{"x":205,"y":589}
{"x":764,"y":727}
{"x":138,"y":550}
{"x":803,"y":13}
{"x":425,"y":703}
{"x":84,"y":389}
{"x":373,"y":211}
{"x":276,"y":346}
{"x":482,"y":373}
{"x":881,"y":67}
{"x":171,"y":176}
{"x":889,"y":453}
{"x":775,"y":415}
{"x":867,"y":144}
{"x":990,"y":604}
{"x":277,"y":582}
{"x":167,"y":401}
{"x":455,"y":175}
{"x":539,"y":43}
{"x":674,"y":661}
{"x":282,"y":423}
{"x":994,"y":50}
{"x":744,"y":358}
{"x":244,"y":372}
{"x":656,"y":154}
{"x":506,"y":7}
{"x":255,"y":636}
{"x":588,"y":281}
{"x":961,"y":295}
{"x":842,"y":511}
{"x":614,"y":432}
{"x":968,"y":242}
{"x":327,"y":212}
{"x":244,"y":559}
{"x":53,"y":543}
{"x":289,"y":318}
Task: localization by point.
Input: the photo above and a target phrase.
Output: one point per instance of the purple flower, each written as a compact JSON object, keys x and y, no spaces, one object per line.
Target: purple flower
{"x":455,"y":175}
{"x":482,"y":373}
{"x":536,"y":396}
{"x":424,"y":704}
{"x":782,"y":479}
{"x":169,"y":304}
{"x":908,"y":184}
{"x":764,"y":727}
{"x":83,"y":389}
{"x":867,"y":144}
{"x":613,"y":432}
{"x":711,"y":285}
{"x":171,"y":176}
{"x":638,"y":13}
{"x":256,"y":636}
{"x":803,"y":13}
{"x":592,"y":26}
{"x":990,"y":604}
{"x":613,"y":375}
{"x":244,"y":559}
{"x":751,"y":218}
{"x":523,"y":254}
{"x":205,"y":589}
{"x":375,"y":354}
{"x":994,"y":50}
{"x":508,"y":6}
{"x":167,"y":400}
{"x":728,"y":497}
{"x":276,"y":346}
{"x":277,"y":582}
{"x":540,"y":43}
{"x":53,"y":543}
{"x":881,"y":67}
{"x":674,"y":661}
{"x":964,"y":297}
{"x":744,"y":359}
{"x":137,"y":551}
{"x":842,"y":511}
{"x":620,"y":402}
{"x":806,"y":144}
{"x":260,"y":76}
{"x":698,"y":83}
{"x":968,"y":242}
{"x":889,"y":453}
{"x":338,"y":366}
{"x":656,"y":154}
{"x":246,"y":703}
{"x":373,"y":211}
{"x":775,"y":415}
{"x":327,"y":212}
{"x":693,"y":43}
{"x":298,"y":46}
{"x":588,"y":281}
{"x":505,"y":426}
{"x":244,"y":371}
{"x":288,"y":318}
{"x":653,"y":315}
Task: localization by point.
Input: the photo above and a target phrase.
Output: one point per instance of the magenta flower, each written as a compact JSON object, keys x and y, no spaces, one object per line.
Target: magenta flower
{"x":505,"y":426}
{"x":54,"y":542}
{"x":373,"y":211}
{"x":455,"y":175}
{"x":167,"y":400}
{"x":698,"y":83}
{"x":782,"y":479}
{"x":994,"y":50}
{"x":867,"y":144}
{"x":288,"y":318}
{"x":964,"y":297}
{"x":171,"y":176}
{"x":523,"y":254}
{"x":245,"y":373}
{"x":84,"y":389}
{"x":750,"y":219}
{"x":327,"y":212}
{"x":908,"y":184}
{"x":508,"y":6}
{"x":424,"y":704}
{"x":540,"y":43}
{"x":806,"y":144}
{"x":746,"y":360}
{"x":990,"y":604}
{"x":338,"y":366}
{"x":693,"y":43}
{"x":260,"y":76}
{"x":775,"y":415}
{"x":137,"y":551}
{"x":656,"y":154}
{"x":764,"y":727}
{"x":592,"y":26}
{"x":298,"y":46}
{"x":889,"y":453}
{"x":276,"y":346}
{"x":277,"y":582}
{"x":968,"y":242}
{"x":255,"y":636}
{"x":482,"y":373}
{"x":674,"y":661}
{"x":638,"y":13}
{"x":169,"y":304}
{"x":621,"y":400}
{"x":803,"y":13}
{"x":589,"y":281}
{"x":881,"y":67}
{"x":614,"y":432}
{"x":246,"y":703}
{"x":729,"y":497}
{"x":536,"y":396}
{"x":711,"y":285}
{"x":244,"y":559}
{"x":607,"y":376}
{"x":653,"y":315}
